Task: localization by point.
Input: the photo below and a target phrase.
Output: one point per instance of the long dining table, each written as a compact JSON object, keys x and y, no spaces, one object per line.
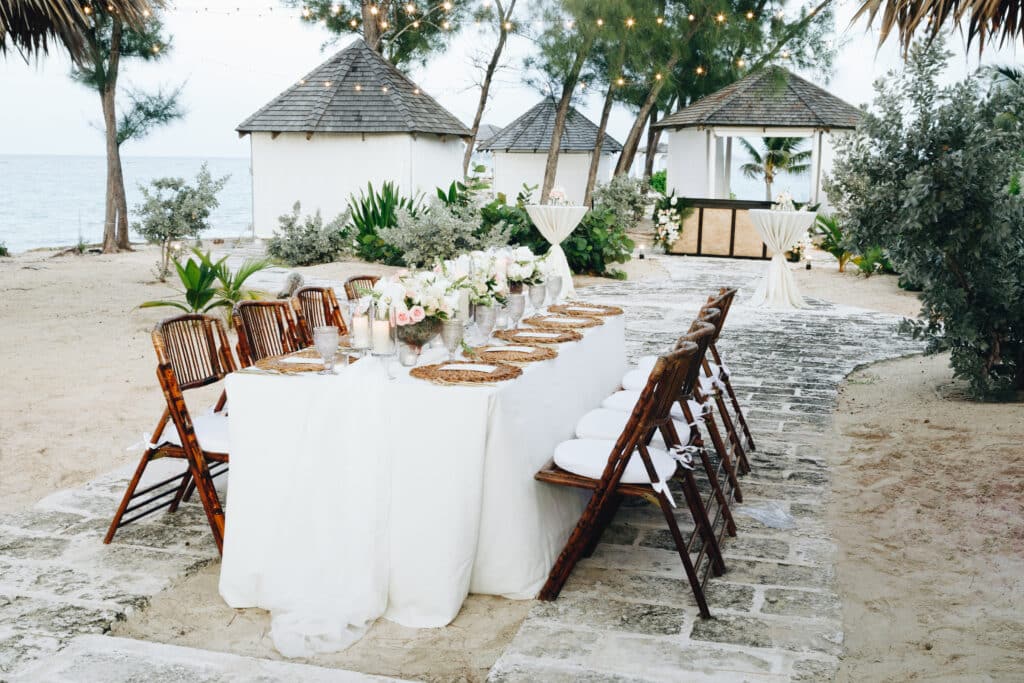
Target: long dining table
{"x":370,"y":493}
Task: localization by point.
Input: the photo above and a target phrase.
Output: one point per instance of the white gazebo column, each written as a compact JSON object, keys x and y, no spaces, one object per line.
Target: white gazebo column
{"x":815,"y":193}
{"x":687,"y":163}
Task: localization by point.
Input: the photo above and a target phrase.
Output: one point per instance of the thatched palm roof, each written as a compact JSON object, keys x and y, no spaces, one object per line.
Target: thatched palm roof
{"x":773,"y":97}
{"x":31,"y":26}
{"x":981,"y":20}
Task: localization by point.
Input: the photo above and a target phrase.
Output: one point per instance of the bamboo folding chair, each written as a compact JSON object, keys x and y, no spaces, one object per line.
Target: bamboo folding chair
{"x":354,"y":284}
{"x":710,"y":387}
{"x":192,"y":351}
{"x":723,"y":302}
{"x":618,"y":480}
{"x":265,"y":329}
{"x":316,"y":307}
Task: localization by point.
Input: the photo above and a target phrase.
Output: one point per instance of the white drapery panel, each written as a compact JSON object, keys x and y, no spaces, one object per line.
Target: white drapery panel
{"x":555,"y":224}
{"x":353,"y":497}
{"x":781,"y":231}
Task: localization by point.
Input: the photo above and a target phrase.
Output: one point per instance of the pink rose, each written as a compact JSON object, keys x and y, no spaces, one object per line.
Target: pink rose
{"x":417,"y":313}
{"x":403,"y":318}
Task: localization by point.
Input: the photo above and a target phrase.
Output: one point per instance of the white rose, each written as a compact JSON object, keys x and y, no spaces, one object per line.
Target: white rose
{"x":522,"y":254}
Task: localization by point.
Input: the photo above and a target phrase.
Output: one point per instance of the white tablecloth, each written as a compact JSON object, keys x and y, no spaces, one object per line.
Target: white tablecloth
{"x":353,"y":497}
{"x":555,"y":224}
{"x":781,"y":231}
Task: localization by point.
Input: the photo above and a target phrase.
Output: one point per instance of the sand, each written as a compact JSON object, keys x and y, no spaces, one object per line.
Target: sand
{"x":928,"y":513}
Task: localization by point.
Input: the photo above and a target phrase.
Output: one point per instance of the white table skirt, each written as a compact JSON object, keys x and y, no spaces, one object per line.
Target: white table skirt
{"x":353,"y":497}
{"x":556,"y":223}
{"x":781,"y":231}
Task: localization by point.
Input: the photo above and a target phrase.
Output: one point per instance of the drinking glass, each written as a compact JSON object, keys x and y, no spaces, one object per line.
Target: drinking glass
{"x":451,"y":334}
{"x":537,"y":294}
{"x":408,"y":354}
{"x":326,"y":341}
{"x":554,"y":287}
{"x":485,"y":316}
{"x":516,"y":306}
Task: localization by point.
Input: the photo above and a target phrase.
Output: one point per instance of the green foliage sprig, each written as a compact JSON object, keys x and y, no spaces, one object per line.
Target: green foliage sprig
{"x":208,"y":284}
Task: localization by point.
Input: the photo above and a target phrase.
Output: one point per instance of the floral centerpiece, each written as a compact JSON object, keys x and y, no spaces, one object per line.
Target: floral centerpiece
{"x":784,"y":202}
{"x":420,"y":303}
{"x":524,"y":268}
{"x":486,"y":281}
{"x":669,"y":214}
{"x":557,"y":197}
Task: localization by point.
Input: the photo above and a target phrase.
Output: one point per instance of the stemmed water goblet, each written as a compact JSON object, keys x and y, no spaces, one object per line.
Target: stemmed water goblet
{"x":451,"y":334}
{"x":516,"y":306}
{"x":325,"y":339}
{"x":537,"y":294}
{"x":554,"y":287}
{"x":485,"y":317}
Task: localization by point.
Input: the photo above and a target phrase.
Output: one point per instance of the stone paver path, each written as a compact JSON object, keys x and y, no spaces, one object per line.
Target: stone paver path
{"x":626,"y":614}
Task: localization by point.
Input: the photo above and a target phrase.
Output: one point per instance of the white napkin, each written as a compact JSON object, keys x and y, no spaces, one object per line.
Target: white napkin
{"x":539,"y":335}
{"x":521,"y":349}
{"x":566,"y":320}
{"x":586,"y":309}
{"x":472,"y":367}
{"x":299,"y":360}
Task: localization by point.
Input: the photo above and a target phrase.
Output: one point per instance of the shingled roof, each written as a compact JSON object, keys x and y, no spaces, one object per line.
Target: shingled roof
{"x":355,"y":91}
{"x":531,"y":132}
{"x":771,"y":98}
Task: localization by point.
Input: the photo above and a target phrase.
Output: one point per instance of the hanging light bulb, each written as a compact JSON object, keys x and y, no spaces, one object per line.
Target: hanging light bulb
{"x":600,"y":22}
{"x":374,"y":10}
{"x":384,"y":25}
{"x":306,"y":13}
{"x":700,"y":71}
{"x":750,"y":15}
{"x":507,"y":25}
{"x":660,"y":20}
{"x":741,"y":62}
{"x":657,"y":77}
{"x":720,"y":18}
{"x":446,"y":5}
{"x":630,"y":22}
{"x":446,"y":25}
{"x":620,"y":81}
{"x":87,"y":9}
{"x":410,"y":8}
{"x":353,"y":23}
{"x":691,"y":17}
{"x":358,"y":87}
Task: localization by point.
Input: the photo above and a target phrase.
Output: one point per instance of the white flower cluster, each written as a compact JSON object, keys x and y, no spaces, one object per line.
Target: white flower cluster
{"x":557,"y":197}
{"x":488,"y":274}
{"x":524,"y":266}
{"x":415,"y":296}
{"x":784,"y":202}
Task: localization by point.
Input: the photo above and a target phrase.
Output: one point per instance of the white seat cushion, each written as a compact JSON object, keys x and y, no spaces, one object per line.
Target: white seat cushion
{"x":603,"y":423}
{"x":624,"y":401}
{"x":589,"y":457}
{"x":636,"y":379}
{"x":211,"y":431}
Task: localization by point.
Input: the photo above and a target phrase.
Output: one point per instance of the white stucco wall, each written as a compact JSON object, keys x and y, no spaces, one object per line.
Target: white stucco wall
{"x":512,"y":169}
{"x":687,"y":166}
{"x":323,"y":171}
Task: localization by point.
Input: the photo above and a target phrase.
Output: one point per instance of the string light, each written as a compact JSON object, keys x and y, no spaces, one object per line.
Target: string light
{"x":156,"y":48}
{"x":630,"y":22}
{"x":335,"y":9}
{"x":306,"y":13}
{"x":353,"y":23}
{"x":660,"y":20}
{"x":779,"y":14}
{"x":691,"y":17}
{"x":600,"y":22}
{"x":327,"y":84}
{"x":384,"y":25}
{"x":87,"y":9}
{"x":358,"y":87}
{"x":657,"y":77}
{"x":374,"y":10}
{"x":785,"y":54}
{"x":446,"y":25}
{"x":720,"y":18}
{"x":410,"y":8}
{"x":569,"y":24}
{"x":415,"y":91}
{"x":700,"y":71}
{"x":741,"y":63}
{"x":384,"y":88}
{"x":302,"y":81}
{"x":750,"y":15}
{"x":145,"y":13}
{"x":447,"y":6}
{"x":620,"y":81}
{"x":416,"y":24}
{"x":508,"y":25}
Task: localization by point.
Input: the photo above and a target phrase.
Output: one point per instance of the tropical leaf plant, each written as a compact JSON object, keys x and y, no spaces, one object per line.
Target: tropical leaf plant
{"x":208,"y":284}
{"x":832,"y":239}
{"x":374,"y":210}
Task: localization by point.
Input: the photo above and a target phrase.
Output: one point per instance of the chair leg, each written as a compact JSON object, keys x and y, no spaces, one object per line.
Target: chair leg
{"x":684,"y":555}
{"x":607,"y":515}
{"x":730,"y":471}
{"x":739,"y":415}
{"x":702,"y":523}
{"x":208,"y":496}
{"x":574,"y":548}
{"x":716,"y":488}
{"x":132,"y":485}
{"x":731,"y":434}
{"x":184,"y":491}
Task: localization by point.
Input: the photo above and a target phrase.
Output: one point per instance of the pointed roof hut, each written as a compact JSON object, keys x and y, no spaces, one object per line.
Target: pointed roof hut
{"x":353,"y":120}
{"x":532,"y":132}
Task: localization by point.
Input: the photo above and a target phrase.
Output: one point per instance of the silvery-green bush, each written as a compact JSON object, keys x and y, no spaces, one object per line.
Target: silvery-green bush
{"x":625,"y":197}
{"x":932,"y":176}
{"x":440,"y":231}
{"x":303,"y":241}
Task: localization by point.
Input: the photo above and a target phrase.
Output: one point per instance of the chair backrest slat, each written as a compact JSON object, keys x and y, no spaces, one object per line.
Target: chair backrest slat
{"x":354,"y":284}
{"x":265,"y":329}
{"x":196,"y":349}
{"x":317,"y":307}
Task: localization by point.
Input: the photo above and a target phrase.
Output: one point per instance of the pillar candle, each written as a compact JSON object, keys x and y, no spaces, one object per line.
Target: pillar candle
{"x":361,"y":331}
{"x":382,"y":337}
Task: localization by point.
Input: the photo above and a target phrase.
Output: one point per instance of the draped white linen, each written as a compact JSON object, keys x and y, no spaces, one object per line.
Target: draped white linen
{"x":781,"y":231}
{"x":555,"y":224}
{"x":353,"y":497}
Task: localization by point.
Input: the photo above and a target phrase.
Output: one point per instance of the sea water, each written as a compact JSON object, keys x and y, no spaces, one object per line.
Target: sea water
{"x":55,"y":201}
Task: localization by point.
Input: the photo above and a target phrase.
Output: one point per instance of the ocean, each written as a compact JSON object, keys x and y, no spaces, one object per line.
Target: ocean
{"x":53,"y":201}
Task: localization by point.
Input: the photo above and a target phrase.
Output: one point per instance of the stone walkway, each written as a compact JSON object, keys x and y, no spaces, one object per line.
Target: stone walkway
{"x":625,"y":615}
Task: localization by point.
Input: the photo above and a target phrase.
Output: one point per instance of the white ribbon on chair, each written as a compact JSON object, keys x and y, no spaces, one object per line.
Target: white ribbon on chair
{"x":684,"y":455}
{"x":699,"y":409}
{"x":662,"y":487}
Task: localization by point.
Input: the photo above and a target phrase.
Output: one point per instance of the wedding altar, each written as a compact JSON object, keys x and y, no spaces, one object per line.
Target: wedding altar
{"x":358,"y":495}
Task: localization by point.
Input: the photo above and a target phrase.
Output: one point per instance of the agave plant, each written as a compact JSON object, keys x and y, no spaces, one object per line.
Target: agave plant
{"x":372,"y":211}
{"x":208,"y":284}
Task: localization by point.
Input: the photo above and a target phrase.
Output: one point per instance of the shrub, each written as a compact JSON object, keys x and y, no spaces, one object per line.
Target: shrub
{"x":207,"y":284}
{"x":304,"y":241}
{"x":625,"y":197}
{"x":371,"y":212}
{"x":928,"y":175}
{"x":513,"y":217}
{"x":872,"y":260}
{"x":659,"y":182}
{"x":832,"y":239}
{"x":440,"y":231}
{"x":3,"y":250}
{"x":173,"y":210}
{"x":599,"y":240}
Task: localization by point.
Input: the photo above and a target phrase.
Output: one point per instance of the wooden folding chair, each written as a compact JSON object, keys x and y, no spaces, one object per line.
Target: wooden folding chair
{"x":192,"y":351}
{"x":265,"y":329}
{"x":610,"y":484}
{"x":316,"y":307}
{"x":692,"y":404}
{"x":711,"y":386}
{"x":723,"y":302}
{"x":356,"y":283}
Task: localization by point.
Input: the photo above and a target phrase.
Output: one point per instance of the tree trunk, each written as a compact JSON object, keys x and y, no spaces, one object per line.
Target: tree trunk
{"x":120,"y":202}
{"x":653,"y":135}
{"x":371,"y":21}
{"x":568,"y":85}
{"x":485,"y":87}
{"x":767,"y":190}
{"x":595,"y":157}
{"x":633,"y":139}
{"x":110,"y":129}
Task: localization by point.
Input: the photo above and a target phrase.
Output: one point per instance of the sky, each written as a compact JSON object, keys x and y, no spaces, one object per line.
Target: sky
{"x":236,"y":55}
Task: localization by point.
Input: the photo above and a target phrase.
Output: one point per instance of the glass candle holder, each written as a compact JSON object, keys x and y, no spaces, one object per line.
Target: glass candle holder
{"x":382,"y":329}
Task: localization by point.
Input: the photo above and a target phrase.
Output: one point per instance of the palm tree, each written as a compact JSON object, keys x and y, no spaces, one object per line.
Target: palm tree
{"x":29,"y":26}
{"x":984,"y":20}
{"x":780,"y":155}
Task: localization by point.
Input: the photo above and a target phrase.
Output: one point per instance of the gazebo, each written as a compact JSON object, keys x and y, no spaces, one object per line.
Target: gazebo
{"x":521,"y":151}
{"x":354,"y":119}
{"x":772,"y":102}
